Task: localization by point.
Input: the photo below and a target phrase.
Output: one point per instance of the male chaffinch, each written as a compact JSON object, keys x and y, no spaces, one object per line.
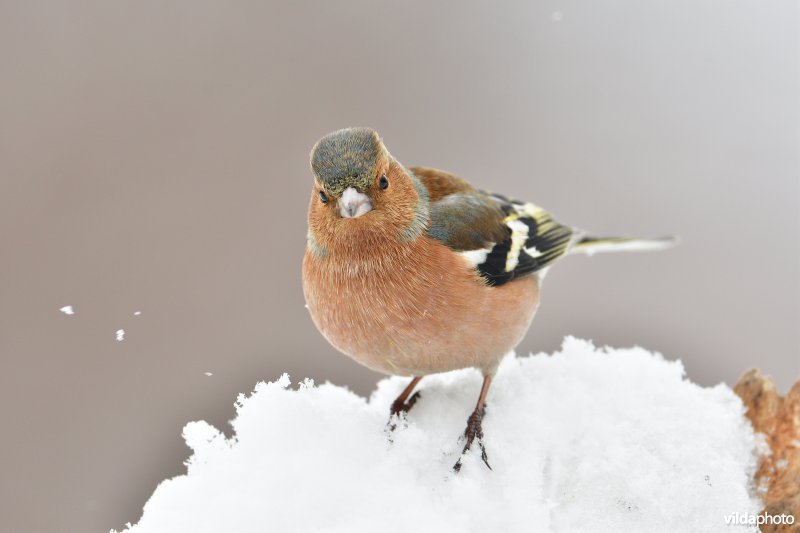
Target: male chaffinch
{"x":413,"y":271}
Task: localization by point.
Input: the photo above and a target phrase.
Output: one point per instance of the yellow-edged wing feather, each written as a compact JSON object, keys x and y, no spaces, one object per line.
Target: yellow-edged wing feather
{"x":503,"y":238}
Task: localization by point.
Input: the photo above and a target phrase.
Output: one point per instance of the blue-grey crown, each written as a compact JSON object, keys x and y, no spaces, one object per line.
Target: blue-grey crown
{"x":346,"y":158}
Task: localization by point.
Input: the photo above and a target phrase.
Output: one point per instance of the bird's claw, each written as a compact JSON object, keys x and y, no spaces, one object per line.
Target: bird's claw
{"x":400,"y":408}
{"x":474,"y":431}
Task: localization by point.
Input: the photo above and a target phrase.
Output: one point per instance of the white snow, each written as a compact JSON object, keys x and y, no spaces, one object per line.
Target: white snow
{"x":137,"y":313}
{"x":67,"y":310}
{"x":209,"y":374}
{"x":584,"y":440}
{"x":120,"y":335}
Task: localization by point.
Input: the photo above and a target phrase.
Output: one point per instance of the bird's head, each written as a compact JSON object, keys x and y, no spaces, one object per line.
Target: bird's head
{"x":361,"y":194}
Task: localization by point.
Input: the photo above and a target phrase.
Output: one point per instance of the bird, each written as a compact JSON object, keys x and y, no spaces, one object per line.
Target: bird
{"x":413,"y":271}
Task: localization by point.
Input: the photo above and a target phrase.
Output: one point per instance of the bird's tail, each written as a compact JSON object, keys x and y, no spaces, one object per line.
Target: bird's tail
{"x":589,"y":244}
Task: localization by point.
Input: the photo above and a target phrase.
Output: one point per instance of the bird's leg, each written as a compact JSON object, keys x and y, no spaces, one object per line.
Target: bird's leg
{"x":400,"y":405}
{"x":474,"y":429}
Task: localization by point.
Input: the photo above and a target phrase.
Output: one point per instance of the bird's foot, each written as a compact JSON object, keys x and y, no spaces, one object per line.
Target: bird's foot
{"x":474,"y":431}
{"x":400,"y":408}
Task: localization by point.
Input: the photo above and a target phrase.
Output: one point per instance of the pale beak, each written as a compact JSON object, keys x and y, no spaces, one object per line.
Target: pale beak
{"x":353,"y":204}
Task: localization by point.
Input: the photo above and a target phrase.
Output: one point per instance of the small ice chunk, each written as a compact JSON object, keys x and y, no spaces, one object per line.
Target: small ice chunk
{"x":209,"y":373}
{"x":137,"y":313}
{"x":67,"y":310}
{"x":120,"y":335}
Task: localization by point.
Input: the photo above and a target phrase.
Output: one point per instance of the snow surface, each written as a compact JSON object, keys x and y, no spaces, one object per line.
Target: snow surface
{"x":584,"y":440}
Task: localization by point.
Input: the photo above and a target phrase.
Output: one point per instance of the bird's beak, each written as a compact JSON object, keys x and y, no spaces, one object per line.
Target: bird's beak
{"x":353,"y":204}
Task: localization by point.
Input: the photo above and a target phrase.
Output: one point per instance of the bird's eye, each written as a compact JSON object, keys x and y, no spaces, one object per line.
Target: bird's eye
{"x":323,"y":197}
{"x":384,"y":183}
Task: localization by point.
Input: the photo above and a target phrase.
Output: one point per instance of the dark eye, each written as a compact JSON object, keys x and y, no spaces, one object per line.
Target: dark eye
{"x":384,"y":183}
{"x":323,"y":197}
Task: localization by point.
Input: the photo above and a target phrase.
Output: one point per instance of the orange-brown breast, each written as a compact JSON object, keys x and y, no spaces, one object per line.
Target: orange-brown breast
{"x":416,"y":309}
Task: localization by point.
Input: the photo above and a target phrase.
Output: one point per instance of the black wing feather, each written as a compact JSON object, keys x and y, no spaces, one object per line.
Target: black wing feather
{"x":529,"y":240}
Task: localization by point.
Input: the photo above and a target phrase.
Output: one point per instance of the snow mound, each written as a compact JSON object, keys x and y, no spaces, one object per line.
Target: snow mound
{"x":584,"y":440}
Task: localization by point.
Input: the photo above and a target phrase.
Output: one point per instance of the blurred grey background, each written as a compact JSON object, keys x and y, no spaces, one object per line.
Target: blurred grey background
{"x":154,"y":158}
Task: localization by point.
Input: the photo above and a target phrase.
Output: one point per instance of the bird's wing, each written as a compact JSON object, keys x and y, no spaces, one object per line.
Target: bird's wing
{"x":440,"y":183}
{"x":503,"y":238}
